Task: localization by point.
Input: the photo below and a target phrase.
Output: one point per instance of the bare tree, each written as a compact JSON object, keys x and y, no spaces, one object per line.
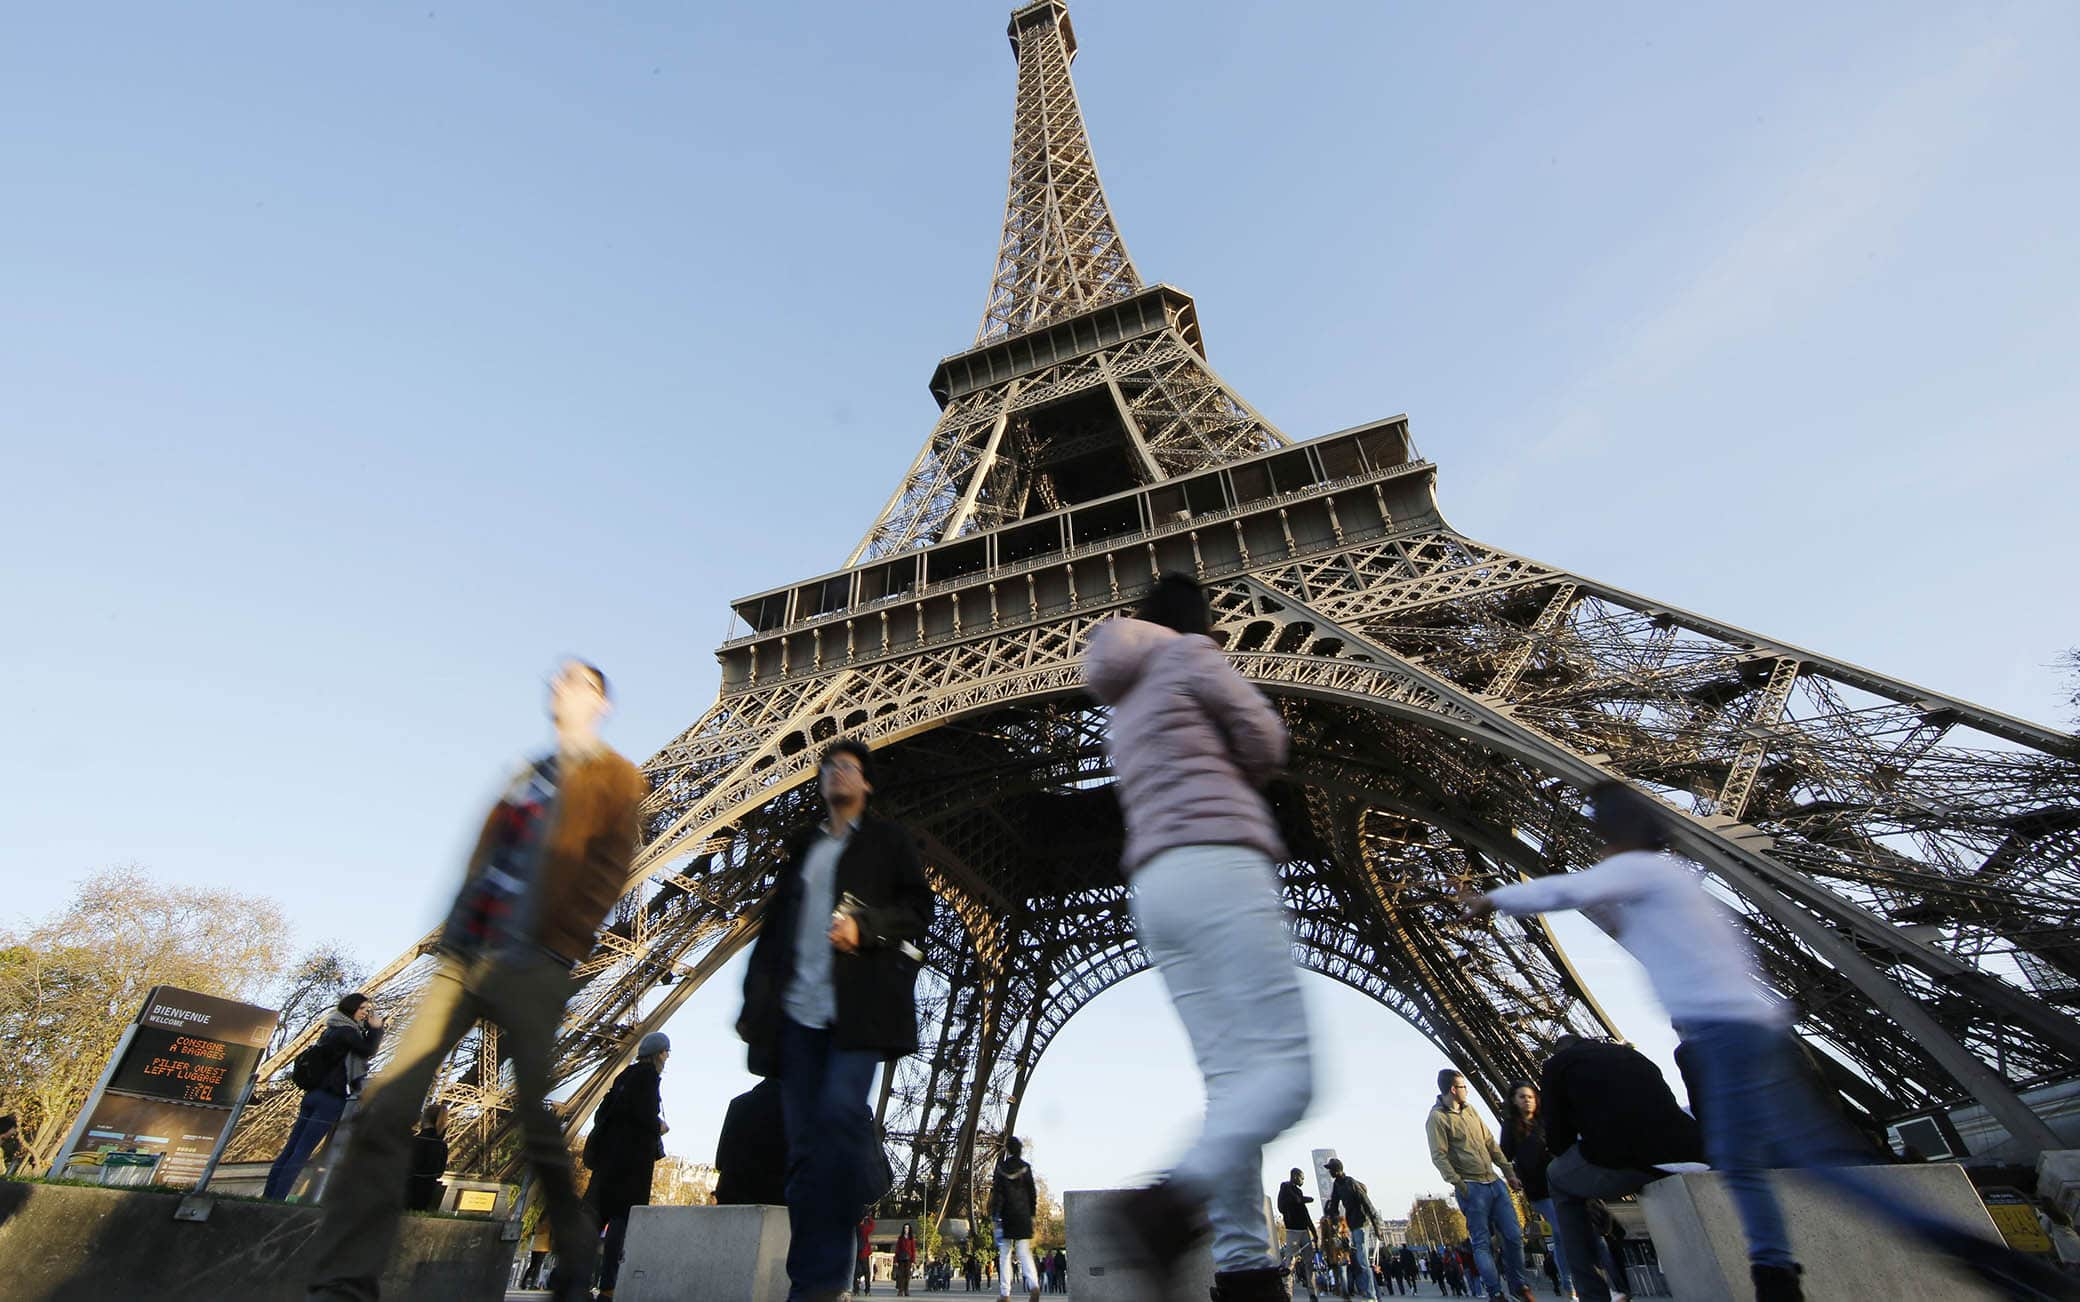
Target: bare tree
{"x":2071,"y":662}
{"x":311,"y":985}
{"x":69,"y":984}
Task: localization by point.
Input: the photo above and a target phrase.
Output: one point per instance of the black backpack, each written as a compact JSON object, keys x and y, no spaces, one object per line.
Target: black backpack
{"x":594,"y":1153}
{"x":315,"y":1065}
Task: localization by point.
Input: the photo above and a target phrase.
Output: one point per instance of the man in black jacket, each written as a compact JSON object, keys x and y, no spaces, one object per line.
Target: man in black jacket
{"x":1347,"y":1198}
{"x":1014,"y":1198}
{"x":751,"y":1152}
{"x":1611,"y":1122}
{"x":1298,"y":1249}
{"x":829,"y":993}
{"x":352,"y":1031}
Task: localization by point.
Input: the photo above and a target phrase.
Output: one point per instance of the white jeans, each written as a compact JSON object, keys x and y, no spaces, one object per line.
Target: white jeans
{"x":1210,"y":919}
{"x":1025,"y":1263}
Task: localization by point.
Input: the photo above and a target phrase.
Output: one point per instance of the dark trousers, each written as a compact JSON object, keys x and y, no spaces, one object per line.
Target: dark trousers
{"x":314,"y":1120}
{"x":823,"y":1102}
{"x":610,"y":1249}
{"x":524,"y":995}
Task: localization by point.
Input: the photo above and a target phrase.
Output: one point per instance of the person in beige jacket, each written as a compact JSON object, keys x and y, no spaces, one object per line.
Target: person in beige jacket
{"x":1466,"y":1155}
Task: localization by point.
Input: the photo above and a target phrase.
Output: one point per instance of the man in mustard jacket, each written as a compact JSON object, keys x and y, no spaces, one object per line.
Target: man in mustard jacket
{"x":1466,"y":1155}
{"x":551,"y":860}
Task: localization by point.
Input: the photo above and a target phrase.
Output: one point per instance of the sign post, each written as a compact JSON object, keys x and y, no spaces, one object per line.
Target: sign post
{"x":174,"y":1085}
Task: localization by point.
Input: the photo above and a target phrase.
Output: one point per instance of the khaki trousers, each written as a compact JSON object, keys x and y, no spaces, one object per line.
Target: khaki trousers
{"x":524,"y":995}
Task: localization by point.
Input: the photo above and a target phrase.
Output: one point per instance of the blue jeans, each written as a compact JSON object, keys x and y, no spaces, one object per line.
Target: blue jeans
{"x":1210,"y":919}
{"x":321,"y":1109}
{"x":1544,"y":1207}
{"x":1760,"y":1110}
{"x":1488,"y":1206}
{"x":1361,"y":1264}
{"x":823,"y":1103}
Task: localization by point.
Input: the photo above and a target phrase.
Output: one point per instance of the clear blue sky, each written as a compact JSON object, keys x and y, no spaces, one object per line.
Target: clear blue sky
{"x":356,"y":361}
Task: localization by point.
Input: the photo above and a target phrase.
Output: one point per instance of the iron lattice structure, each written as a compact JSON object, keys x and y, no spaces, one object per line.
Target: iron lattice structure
{"x":1905,"y":860}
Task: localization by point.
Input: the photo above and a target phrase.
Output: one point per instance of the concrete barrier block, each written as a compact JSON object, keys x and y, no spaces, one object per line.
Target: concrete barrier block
{"x":705,"y":1254}
{"x":1847,"y":1251}
{"x":1099,"y":1268}
{"x":64,"y":1243}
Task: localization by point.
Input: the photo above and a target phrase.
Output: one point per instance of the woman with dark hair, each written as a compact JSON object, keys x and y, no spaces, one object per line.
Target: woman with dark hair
{"x":1524,"y":1144}
{"x":1193,"y":744}
{"x":906,"y":1259}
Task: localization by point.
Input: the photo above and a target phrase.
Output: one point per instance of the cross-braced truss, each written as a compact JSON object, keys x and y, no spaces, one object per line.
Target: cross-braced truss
{"x":1904,"y":860}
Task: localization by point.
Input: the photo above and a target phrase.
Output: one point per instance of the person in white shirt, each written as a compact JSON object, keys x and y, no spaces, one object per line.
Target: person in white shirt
{"x":1758,"y":1108}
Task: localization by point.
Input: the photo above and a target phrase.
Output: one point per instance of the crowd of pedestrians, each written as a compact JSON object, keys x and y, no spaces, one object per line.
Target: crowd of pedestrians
{"x":829,"y":997}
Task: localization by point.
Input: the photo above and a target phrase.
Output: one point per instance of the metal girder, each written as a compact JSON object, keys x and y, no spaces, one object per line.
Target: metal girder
{"x":1450,"y":702}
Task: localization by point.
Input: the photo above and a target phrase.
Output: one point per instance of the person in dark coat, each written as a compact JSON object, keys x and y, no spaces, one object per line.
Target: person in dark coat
{"x":751,"y":1154}
{"x":1612,"y":1125}
{"x":352,"y":1031}
{"x":1524,"y":1144}
{"x":628,"y":1138}
{"x":830,"y":994}
{"x":429,"y":1160}
{"x":1298,"y":1245}
{"x":1014,"y":1196}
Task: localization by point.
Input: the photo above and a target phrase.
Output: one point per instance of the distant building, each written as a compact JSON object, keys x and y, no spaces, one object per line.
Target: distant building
{"x":678,"y":1182}
{"x":1393,"y":1234}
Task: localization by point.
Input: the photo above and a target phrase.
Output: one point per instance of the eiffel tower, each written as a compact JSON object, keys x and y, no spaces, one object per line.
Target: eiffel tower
{"x":1904,"y":860}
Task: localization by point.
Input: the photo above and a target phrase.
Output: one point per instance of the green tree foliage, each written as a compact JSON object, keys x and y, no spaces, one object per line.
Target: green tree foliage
{"x":1049,"y":1232}
{"x":71,"y":983}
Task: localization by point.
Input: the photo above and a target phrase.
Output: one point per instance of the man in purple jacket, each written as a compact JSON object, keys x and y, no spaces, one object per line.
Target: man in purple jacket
{"x":1191,"y":744}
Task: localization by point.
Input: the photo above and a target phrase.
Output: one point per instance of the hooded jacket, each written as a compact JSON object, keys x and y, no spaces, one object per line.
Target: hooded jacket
{"x":1013,"y":1197}
{"x":1191,"y":741}
{"x":627,"y":1141}
{"x":355,"y":1044}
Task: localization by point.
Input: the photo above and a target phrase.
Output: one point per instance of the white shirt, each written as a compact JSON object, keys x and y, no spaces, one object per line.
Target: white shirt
{"x":810,"y":998}
{"x":1695,"y":953}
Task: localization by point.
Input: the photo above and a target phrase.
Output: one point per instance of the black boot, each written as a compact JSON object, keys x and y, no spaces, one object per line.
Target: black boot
{"x":1264,"y":1284}
{"x":1159,"y":1224}
{"x":1777,"y":1283}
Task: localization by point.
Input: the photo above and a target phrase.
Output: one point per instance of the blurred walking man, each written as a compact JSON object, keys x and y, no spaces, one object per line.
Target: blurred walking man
{"x":1758,"y":1109}
{"x":829,"y":994}
{"x":551,"y":860}
{"x":1465,"y":1153}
